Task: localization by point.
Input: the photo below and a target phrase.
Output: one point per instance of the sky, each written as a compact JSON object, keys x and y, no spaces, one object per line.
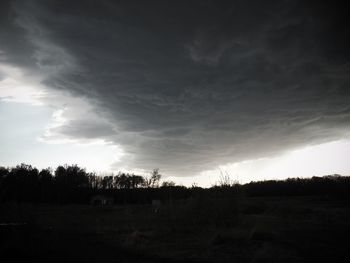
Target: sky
{"x":256,"y":89}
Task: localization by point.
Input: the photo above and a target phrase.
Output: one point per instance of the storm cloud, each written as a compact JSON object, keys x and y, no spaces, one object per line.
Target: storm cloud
{"x":188,"y":85}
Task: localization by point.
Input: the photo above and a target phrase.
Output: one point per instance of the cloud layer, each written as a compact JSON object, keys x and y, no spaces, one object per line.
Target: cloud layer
{"x":187,"y":86}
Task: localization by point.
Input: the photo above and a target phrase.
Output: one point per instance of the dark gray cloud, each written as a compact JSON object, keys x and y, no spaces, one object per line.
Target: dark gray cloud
{"x":187,"y":86}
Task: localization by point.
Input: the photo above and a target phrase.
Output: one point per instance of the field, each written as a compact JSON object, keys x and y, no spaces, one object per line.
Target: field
{"x":239,"y":229}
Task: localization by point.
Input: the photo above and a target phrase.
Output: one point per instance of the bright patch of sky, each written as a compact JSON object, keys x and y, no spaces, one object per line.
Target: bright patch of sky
{"x":316,"y":160}
{"x":22,"y":127}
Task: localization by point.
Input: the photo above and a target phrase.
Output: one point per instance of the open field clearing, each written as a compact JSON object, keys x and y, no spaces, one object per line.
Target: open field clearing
{"x":261,"y":229}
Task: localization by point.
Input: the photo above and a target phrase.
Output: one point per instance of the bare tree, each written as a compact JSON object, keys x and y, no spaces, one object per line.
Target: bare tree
{"x":155,"y":178}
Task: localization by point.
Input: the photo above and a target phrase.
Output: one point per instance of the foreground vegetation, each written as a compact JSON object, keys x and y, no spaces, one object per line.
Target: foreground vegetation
{"x":259,"y":229}
{"x":296,"y":220}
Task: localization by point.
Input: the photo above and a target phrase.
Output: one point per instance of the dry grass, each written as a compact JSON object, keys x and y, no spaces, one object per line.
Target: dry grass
{"x":214,"y":228}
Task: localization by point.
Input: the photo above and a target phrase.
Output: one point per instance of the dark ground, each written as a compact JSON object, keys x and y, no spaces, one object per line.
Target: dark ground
{"x":244,"y":229}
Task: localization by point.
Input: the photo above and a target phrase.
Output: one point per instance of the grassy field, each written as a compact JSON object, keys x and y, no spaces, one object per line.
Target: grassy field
{"x":239,"y":229}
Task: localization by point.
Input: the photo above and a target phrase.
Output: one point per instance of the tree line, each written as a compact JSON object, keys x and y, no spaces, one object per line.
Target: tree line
{"x":67,"y":183}
{"x":72,"y":184}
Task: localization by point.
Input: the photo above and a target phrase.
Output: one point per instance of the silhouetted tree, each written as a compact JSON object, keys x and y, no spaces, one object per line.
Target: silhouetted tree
{"x":70,"y":180}
{"x":123,"y":181}
{"x":94,"y":181}
{"x":23,"y":183}
{"x":136,"y":181}
{"x":46,"y":184}
{"x":71,"y":176}
{"x":46,"y":176}
{"x":3,"y":176}
{"x":155,"y":178}
{"x":107,"y":182}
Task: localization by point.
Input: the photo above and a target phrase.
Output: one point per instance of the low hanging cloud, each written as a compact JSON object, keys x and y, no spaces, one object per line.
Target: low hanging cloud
{"x":187,"y":87}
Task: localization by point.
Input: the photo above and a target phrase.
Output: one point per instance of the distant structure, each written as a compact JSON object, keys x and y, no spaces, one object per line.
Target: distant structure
{"x":101,"y":200}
